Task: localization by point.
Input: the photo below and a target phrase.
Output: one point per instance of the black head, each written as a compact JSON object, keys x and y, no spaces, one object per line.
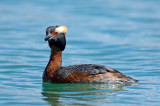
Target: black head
{"x":55,"y":35}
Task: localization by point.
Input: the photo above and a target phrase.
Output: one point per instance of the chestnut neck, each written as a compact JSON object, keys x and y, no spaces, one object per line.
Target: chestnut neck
{"x":54,"y":63}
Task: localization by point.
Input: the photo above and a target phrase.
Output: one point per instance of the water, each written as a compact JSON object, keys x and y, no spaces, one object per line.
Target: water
{"x":121,"y":34}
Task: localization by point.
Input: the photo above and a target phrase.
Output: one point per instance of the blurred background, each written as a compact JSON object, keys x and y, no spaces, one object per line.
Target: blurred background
{"x":123,"y":34}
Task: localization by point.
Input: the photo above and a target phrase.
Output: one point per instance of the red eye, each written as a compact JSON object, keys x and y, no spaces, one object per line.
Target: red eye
{"x":55,"y":33}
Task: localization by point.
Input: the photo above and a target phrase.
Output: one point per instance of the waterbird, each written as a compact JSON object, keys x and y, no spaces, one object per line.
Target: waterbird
{"x":82,"y":73}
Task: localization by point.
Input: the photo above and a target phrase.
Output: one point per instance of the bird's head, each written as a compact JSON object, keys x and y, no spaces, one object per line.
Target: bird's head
{"x":55,"y":35}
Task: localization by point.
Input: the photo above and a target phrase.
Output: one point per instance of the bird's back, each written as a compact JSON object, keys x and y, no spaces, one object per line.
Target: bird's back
{"x":91,"y":73}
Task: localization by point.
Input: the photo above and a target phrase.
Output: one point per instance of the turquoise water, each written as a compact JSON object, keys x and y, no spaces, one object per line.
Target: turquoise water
{"x":121,"y":34}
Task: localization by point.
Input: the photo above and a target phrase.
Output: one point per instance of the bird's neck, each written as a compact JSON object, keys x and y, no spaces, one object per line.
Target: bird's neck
{"x":54,"y":63}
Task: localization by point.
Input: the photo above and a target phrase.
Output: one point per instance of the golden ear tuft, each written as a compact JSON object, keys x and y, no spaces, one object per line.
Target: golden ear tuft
{"x":61,"y":29}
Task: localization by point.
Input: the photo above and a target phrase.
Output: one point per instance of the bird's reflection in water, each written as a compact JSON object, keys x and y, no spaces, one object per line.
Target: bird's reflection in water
{"x":78,"y":93}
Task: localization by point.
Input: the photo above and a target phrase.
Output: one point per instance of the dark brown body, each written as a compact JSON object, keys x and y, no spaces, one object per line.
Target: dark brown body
{"x":89,"y":73}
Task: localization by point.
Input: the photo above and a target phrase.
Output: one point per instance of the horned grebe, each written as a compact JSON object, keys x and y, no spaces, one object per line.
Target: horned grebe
{"x":89,"y":73}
